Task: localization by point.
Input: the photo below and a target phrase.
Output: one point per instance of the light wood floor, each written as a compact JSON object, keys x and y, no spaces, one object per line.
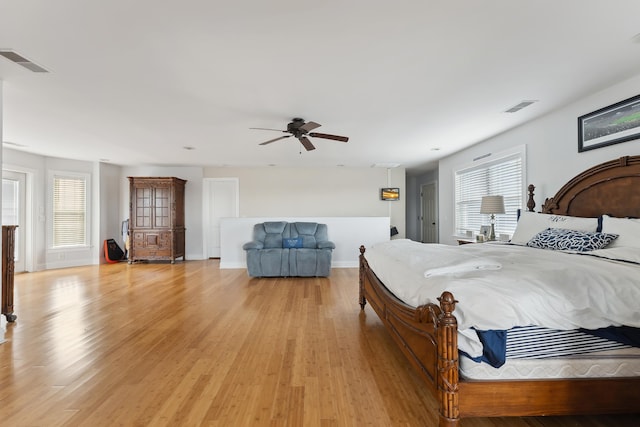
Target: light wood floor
{"x":189,"y":344}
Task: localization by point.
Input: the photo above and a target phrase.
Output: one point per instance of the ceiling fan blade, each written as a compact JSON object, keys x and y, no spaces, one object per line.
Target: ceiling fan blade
{"x":327,"y":136}
{"x":306,"y":143}
{"x":309,"y":126}
{"x":274,"y":140}
{"x":277,"y":130}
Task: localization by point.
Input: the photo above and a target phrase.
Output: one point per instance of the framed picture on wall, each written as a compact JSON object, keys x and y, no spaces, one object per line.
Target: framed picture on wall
{"x":390,"y":194}
{"x":614,"y":124}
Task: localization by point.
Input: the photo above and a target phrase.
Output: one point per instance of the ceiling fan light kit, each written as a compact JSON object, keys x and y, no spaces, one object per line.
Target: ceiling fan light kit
{"x":302,"y":130}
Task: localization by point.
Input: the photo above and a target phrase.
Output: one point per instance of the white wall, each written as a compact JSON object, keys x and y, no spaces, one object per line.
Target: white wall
{"x":313,"y":192}
{"x":104,"y":207}
{"x":109,"y":207}
{"x":36,"y":167}
{"x":551,"y":149}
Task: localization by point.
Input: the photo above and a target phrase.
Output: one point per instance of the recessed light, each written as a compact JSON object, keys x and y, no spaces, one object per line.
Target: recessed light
{"x":189,"y":148}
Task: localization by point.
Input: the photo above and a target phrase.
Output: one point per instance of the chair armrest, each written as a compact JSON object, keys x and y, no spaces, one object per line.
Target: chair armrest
{"x":253,"y":245}
{"x":326,"y":245}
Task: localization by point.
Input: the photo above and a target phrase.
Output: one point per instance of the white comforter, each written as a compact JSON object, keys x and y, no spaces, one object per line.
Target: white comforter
{"x":500,"y":286}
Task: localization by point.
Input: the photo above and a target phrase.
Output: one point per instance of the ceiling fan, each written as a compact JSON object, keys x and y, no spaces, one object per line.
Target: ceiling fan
{"x":301,"y":130}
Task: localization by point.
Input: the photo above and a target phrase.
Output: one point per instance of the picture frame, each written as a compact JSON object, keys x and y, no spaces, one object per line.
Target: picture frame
{"x":390,"y":194}
{"x":485,"y":230}
{"x":616,"y":123}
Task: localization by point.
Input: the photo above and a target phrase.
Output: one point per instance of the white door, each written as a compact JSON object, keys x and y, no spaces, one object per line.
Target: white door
{"x":429,"y":213}
{"x":220,"y":201}
{"x":14,"y":212}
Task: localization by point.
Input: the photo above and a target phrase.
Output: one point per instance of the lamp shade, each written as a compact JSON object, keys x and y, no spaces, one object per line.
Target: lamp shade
{"x":492,"y":205}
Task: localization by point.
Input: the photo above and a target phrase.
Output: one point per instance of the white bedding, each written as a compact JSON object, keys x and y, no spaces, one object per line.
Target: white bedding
{"x":531,"y":287}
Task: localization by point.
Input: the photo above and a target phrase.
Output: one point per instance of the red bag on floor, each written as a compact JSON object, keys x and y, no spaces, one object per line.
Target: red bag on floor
{"x":112,"y":252}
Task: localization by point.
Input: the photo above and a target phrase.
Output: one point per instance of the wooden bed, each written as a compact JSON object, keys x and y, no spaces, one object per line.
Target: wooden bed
{"x":428,"y":334}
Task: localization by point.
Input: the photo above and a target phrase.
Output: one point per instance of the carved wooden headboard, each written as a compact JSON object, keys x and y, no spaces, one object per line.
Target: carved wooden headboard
{"x":611,"y":188}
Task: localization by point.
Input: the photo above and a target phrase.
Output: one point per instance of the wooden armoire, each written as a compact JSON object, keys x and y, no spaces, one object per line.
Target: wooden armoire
{"x":156,"y":218}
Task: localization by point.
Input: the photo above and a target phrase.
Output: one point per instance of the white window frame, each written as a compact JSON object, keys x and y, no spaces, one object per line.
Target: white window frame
{"x":514,"y":200}
{"x":50,"y":208}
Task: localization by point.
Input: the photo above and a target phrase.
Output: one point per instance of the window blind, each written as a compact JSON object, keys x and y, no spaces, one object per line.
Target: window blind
{"x":501,"y":177}
{"x":69,"y":211}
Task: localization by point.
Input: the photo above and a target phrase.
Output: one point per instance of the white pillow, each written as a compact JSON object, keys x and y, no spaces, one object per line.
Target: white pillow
{"x":531,"y":223}
{"x":618,"y":254}
{"x":627,"y":229}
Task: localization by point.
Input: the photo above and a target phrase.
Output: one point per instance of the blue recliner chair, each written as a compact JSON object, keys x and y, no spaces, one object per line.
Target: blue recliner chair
{"x":283,"y":249}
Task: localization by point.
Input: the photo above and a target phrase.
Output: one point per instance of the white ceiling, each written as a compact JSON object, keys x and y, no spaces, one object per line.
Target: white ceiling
{"x":409,"y":81}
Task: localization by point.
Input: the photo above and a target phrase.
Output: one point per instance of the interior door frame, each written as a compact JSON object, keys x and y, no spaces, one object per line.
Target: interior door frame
{"x":28,"y":228}
{"x":206,"y":208}
{"x":422,"y":211}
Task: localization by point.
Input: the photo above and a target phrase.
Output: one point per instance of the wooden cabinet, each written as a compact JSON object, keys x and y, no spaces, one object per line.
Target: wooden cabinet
{"x":156,"y":218}
{"x":8,"y":249}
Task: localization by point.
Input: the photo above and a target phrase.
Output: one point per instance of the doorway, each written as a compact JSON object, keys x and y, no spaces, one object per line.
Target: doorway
{"x":220,"y":200}
{"x":429,"y":208}
{"x":14,"y":212}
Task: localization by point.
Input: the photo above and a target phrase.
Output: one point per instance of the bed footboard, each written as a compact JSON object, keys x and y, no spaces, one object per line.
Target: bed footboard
{"x":427,"y":335}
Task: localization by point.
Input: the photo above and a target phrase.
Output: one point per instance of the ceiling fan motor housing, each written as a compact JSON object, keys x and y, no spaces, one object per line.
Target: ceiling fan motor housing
{"x":295,"y":124}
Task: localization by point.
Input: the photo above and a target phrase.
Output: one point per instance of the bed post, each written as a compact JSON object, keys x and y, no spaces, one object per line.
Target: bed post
{"x":361,"y":299}
{"x":531,"y":204}
{"x":447,"y":382}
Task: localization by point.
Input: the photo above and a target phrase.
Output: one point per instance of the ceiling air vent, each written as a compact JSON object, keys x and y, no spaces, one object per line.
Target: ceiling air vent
{"x":13,"y":144}
{"x":387,"y":165}
{"x":520,"y":106}
{"x":21,"y":60}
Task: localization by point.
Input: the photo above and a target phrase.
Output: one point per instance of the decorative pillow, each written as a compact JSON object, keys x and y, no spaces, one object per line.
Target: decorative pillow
{"x":532,"y":223}
{"x":289,"y":243}
{"x":559,"y":239}
{"x":627,"y":229}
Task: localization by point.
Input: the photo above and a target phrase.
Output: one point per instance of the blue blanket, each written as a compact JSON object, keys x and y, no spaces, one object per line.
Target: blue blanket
{"x":539,"y":343}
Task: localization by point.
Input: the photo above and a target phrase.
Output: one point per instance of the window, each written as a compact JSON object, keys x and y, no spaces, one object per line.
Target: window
{"x":502,"y":174}
{"x":69,"y":211}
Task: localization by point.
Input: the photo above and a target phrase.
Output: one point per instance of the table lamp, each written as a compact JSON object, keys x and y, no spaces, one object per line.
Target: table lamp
{"x":492,"y":205}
